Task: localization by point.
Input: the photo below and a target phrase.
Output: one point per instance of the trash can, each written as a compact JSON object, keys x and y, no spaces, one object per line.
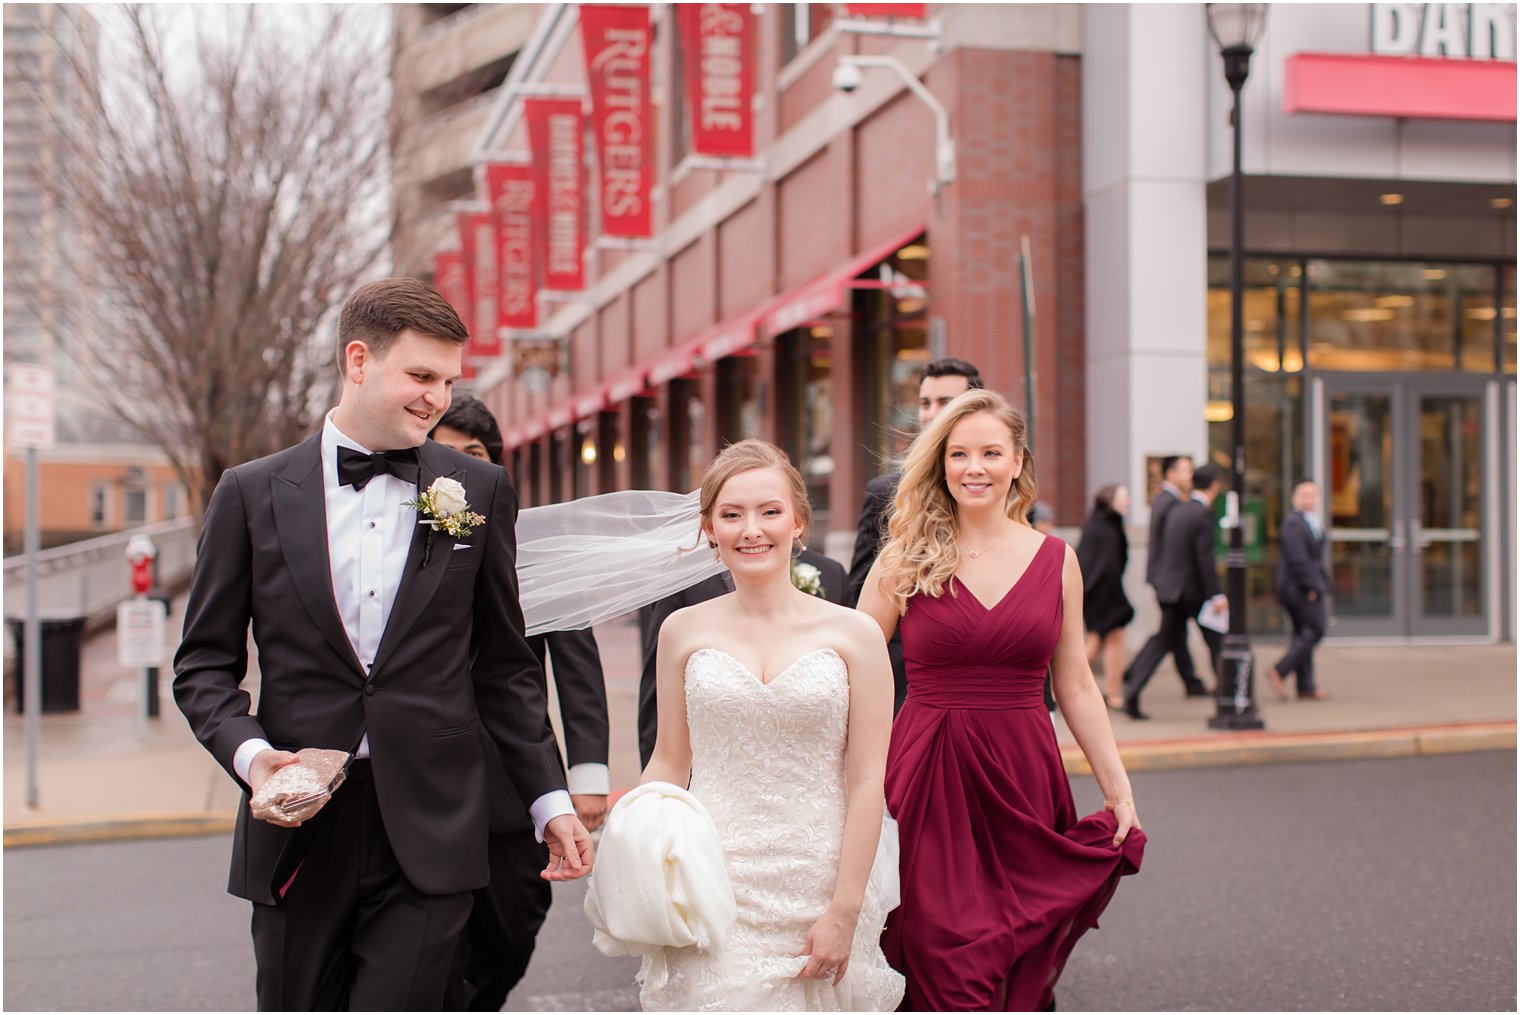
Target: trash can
{"x":62,"y":642}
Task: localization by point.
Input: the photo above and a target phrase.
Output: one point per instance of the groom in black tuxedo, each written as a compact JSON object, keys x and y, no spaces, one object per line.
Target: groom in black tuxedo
{"x":376,"y":635}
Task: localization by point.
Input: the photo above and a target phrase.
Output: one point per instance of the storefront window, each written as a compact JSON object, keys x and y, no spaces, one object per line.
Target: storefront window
{"x":611,"y":451}
{"x":1507,"y":319}
{"x":1274,"y":460}
{"x":558,"y":460}
{"x":533,"y":494}
{"x":804,"y":367}
{"x":738,"y":398}
{"x":1271,"y":300}
{"x":1388,"y":316}
{"x":895,"y":314}
{"x":643,"y":442}
{"x":584,"y":453}
{"x":687,"y":460}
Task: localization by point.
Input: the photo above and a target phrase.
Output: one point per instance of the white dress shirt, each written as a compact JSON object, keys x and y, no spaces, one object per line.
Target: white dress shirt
{"x":366,"y":573}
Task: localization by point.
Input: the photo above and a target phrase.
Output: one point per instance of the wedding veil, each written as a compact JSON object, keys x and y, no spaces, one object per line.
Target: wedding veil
{"x":589,"y":560}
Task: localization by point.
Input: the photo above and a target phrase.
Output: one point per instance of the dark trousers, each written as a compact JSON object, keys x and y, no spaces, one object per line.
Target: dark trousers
{"x":352,"y":933}
{"x":498,"y":940}
{"x":1170,"y":638}
{"x":1308,"y":628}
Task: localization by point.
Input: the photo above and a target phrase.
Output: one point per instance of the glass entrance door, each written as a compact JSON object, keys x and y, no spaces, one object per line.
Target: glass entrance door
{"x":1401,"y":465}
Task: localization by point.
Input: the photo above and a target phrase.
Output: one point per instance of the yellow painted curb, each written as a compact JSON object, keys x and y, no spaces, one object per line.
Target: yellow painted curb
{"x":1254,"y":749}
{"x":152,"y":826}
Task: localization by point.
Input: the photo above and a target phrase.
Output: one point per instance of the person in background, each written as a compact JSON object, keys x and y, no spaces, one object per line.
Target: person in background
{"x":1302,"y":584}
{"x":1176,"y":485}
{"x":1042,"y":518}
{"x":942,"y":381}
{"x":1106,"y":610}
{"x":498,"y":940}
{"x":1186,"y":577}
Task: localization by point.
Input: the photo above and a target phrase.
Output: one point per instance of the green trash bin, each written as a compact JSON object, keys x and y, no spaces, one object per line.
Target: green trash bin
{"x":62,"y":644}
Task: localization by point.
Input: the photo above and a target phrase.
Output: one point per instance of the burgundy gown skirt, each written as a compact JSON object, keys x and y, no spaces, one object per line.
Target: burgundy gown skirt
{"x":999,"y":877}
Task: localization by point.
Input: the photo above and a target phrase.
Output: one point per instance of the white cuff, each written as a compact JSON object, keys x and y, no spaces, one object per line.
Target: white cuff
{"x":242,"y":758}
{"x":589,"y":778}
{"x":548,"y":807}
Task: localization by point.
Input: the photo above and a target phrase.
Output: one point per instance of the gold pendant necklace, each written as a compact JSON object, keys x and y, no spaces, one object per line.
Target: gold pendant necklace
{"x":973,"y":554}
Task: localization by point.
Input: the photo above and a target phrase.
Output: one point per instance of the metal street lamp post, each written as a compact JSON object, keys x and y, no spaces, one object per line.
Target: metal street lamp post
{"x":1235,"y":28}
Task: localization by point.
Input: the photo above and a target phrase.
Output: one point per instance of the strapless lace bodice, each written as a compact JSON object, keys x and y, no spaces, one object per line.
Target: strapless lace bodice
{"x":768,"y":763}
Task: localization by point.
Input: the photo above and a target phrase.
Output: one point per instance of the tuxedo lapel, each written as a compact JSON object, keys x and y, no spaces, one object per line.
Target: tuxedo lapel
{"x":418,"y":583}
{"x":300,"y":519}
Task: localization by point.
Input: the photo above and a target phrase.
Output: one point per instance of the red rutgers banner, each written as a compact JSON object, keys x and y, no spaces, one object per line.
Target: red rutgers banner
{"x":477,"y":244}
{"x":453,"y":284}
{"x":557,"y":136}
{"x":450,"y":281}
{"x":718,"y":45}
{"x":617,"y":40}
{"x":887,"y":10}
{"x":509,"y":187}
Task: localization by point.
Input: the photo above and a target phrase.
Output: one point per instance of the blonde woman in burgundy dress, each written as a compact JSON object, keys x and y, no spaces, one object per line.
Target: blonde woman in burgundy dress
{"x":999,"y":876}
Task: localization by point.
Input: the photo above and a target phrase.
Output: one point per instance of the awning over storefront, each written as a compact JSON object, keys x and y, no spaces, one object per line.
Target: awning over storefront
{"x":822,"y":295}
{"x":826,"y":293}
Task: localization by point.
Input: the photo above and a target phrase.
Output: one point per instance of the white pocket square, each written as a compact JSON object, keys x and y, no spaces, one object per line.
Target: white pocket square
{"x":461,"y":546}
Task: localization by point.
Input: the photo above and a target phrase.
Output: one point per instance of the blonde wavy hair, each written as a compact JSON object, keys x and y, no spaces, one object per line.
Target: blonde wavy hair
{"x":923,"y":545}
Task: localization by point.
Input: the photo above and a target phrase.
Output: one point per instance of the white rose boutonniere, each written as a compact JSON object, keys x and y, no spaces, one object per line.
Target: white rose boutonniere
{"x":807,"y":578}
{"x":444,"y":507}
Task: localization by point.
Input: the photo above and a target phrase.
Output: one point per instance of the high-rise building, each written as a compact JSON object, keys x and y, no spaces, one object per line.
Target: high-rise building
{"x":448,"y":63}
{"x":101,"y":476}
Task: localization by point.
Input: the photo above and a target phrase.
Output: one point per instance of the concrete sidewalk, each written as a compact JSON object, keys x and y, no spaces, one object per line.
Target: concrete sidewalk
{"x":105,"y":772}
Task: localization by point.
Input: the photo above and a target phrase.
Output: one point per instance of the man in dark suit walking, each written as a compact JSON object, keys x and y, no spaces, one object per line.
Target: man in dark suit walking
{"x":942,"y":382}
{"x":1185,"y":577}
{"x":1302,"y":585}
{"x":498,"y":940}
{"x":831,"y":573}
{"x":1176,"y":487}
{"x":383,"y":636}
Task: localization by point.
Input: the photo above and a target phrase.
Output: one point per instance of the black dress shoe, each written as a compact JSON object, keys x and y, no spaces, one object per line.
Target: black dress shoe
{"x":1132,"y":709}
{"x":1198,"y":691}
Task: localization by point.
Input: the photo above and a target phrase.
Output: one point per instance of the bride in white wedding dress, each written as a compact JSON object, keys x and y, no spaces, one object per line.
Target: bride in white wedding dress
{"x":778,"y":707}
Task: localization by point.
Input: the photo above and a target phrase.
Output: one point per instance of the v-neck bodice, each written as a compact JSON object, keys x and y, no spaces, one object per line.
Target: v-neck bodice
{"x":961,"y":653}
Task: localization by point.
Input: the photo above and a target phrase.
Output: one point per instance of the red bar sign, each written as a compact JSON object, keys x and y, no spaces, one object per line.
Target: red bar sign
{"x":477,"y":242}
{"x":718,"y":41}
{"x":557,"y":136}
{"x":510,"y":190}
{"x":887,"y":10}
{"x":617,"y":41}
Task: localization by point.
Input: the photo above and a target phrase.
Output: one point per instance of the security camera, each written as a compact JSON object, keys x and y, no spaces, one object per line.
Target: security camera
{"x":847,"y":77}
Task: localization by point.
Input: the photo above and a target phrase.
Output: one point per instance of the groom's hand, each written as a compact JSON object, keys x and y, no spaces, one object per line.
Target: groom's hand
{"x":591,"y":808}
{"x":570,"y":853}
{"x":263,"y":765}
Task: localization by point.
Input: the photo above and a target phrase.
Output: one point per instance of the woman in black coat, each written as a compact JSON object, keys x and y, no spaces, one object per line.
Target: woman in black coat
{"x":1106,"y":610}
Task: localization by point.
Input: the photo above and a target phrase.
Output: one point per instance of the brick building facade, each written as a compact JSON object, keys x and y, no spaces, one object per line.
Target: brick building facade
{"x":797,"y":301}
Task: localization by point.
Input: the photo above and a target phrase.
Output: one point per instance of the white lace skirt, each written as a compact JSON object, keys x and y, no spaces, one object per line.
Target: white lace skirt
{"x":779,"y":898}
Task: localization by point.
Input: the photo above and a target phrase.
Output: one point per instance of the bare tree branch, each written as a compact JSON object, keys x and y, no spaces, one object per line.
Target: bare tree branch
{"x":228,"y":174}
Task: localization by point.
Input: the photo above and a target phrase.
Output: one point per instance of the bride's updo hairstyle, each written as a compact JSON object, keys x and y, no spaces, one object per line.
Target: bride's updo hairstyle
{"x":922,"y":550}
{"x":747,"y":456}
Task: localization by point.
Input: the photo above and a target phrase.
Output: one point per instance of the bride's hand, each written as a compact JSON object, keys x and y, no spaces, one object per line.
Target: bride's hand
{"x":828,"y":946}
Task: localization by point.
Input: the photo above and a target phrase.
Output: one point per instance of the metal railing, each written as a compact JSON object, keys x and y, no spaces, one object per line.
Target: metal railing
{"x":89,"y":578}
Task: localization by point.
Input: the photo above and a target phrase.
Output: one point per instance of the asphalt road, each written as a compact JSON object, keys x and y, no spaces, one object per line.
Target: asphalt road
{"x":1381,"y":885}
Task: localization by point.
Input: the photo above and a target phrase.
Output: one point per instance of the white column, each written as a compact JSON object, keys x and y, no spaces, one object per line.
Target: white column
{"x":1144,"y":87}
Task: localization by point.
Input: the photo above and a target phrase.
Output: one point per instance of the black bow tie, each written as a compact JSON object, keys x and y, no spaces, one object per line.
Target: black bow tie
{"x":356,"y":469}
